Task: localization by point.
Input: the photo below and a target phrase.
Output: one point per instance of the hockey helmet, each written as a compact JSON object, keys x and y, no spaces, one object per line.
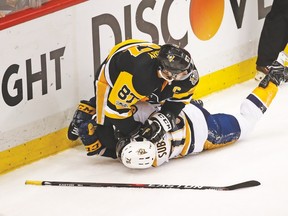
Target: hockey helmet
{"x":138,"y":154}
{"x":174,"y":58}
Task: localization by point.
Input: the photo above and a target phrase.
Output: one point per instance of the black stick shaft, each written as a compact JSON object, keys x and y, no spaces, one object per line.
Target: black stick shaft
{"x":246,"y":184}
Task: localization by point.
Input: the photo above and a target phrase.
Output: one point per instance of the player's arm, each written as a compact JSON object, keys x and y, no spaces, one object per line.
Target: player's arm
{"x":94,"y":144}
{"x":164,"y":121}
{"x":182,"y":94}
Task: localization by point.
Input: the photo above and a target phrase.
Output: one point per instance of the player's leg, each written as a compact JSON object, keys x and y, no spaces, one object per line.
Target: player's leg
{"x":273,"y":37}
{"x":223,"y":129}
{"x":260,"y":99}
{"x":226,"y":129}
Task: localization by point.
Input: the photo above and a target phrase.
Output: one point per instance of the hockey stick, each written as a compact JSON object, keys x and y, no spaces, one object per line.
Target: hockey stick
{"x":241,"y":185}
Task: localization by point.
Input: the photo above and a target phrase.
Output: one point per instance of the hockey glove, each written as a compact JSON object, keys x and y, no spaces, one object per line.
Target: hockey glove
{"x":157,"y":125}
{"x":197,"y":102}
{"x":278,"y":71}
{"x":84,"y":112}
{"x":89,"y":138}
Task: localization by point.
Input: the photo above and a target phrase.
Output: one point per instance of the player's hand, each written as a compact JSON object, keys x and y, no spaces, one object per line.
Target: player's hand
{"x":84,"y":112}
{"x":89,"y":138}
{"x":152,"y":131}
{"x":156,"y":126}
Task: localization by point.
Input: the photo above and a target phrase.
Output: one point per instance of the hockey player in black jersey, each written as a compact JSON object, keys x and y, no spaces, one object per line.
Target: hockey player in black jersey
{"x":139,"y":71}
{"x":195,"y":128}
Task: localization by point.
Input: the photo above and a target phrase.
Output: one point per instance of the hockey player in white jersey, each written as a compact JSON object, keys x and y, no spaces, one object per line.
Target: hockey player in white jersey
{"x":196,"y":129}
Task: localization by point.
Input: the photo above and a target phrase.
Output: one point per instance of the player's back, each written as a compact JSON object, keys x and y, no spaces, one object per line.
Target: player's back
{"x":139,"y":61}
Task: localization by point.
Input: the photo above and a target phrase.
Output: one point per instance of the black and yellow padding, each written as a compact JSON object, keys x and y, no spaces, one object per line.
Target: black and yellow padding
{"x":86,"y":108}
{"x":93,"y":147}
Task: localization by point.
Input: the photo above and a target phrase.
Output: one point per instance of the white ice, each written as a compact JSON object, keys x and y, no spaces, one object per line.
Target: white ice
{"x":263,"y":157}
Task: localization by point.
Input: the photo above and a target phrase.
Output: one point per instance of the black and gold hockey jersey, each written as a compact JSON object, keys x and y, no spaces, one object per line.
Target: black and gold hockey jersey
{"x":128,"y":75}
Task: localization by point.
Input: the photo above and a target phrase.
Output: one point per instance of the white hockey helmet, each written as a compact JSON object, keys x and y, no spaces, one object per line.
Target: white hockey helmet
{"x":138,"y":154}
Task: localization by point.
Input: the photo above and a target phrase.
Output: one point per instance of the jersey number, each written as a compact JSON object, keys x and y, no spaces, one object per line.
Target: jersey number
{"x":126,"y":95}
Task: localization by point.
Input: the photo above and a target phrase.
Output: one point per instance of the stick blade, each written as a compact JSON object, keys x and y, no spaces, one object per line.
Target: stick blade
{"x":252,"y":183}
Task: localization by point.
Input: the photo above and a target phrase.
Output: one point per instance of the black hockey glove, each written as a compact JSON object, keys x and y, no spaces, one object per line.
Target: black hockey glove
{"x":84,"y":112}
{"x":277,"y":74}
{"x":88,"y":136}
{"x":157,"y":125}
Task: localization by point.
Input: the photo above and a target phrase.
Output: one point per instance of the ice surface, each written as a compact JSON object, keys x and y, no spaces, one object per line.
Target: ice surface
{"x":263,"y":157}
